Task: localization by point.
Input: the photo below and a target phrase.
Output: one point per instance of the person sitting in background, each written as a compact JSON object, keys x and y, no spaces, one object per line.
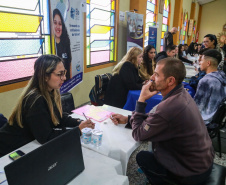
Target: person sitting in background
{"x":38,"y":113}
{"x":195,"y":79}
{"x":212,"y":87}
{"x":170,"y":52}
{"x":186,"y":49}
{"x":180,"y":54}
{"x":192,"y":49}
{"x":3,"y":120}
{"x":210,"y":41}
{"x":125,"y":77}
{"x":173,"y":126}
{"x":148,"y":64}
{"x":199,"y":47}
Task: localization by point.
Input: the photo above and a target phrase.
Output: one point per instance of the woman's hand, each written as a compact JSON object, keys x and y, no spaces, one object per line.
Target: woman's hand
{"x":87,"y":123}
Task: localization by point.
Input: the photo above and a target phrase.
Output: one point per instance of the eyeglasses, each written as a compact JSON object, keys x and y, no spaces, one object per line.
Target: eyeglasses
{"x":61,"y":74}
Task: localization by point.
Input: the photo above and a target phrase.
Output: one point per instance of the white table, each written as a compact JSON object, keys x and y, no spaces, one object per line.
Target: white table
{"x":190,"y":70}
{"x":117,"y":142}
{"x":99,"y":169}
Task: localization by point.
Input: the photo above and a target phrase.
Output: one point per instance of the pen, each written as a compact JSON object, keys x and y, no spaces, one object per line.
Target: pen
{"x":84,"y":115}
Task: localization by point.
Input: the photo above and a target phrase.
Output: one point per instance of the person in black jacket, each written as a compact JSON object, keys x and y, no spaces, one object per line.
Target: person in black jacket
{"x":125,"y":77}
{"x":168,"y":38}
{"x":170,"y":52}
{"x":63,"y":47}
{"x":38,"y":113}
{"x":180,"y":54}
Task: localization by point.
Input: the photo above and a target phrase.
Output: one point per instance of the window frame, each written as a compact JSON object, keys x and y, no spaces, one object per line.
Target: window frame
{"x":108,"y":63}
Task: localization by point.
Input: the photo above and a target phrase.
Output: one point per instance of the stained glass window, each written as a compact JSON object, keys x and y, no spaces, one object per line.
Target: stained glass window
{"x":184,"y":28}
{"x":100,"y":32}
{"x":151,"y":18}
{"x":24,"y":35}
{"x":165,"y":21}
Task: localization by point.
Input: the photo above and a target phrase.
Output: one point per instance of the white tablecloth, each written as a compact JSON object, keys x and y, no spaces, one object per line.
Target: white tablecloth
{"x":117,"y":142}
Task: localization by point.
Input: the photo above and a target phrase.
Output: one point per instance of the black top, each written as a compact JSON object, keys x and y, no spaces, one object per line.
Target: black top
{"x":120,"y":84}
{"x":185,"y":60}
{"x":161,"y":55}
{"x":37,"y":124}
{"x":167,"y":40}
{"x":64,"y":51}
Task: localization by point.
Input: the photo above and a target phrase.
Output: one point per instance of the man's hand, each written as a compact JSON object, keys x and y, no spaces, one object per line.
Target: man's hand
{"x":148,"y":90}
{"x":118,"y":118}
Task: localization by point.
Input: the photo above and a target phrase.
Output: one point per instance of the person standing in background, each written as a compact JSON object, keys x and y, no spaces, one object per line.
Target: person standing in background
{"x":168,"y":38}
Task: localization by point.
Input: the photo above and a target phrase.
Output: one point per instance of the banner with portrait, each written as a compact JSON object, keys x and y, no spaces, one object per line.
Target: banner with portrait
{"x":152,"y":37}
{"x":134,"y":30}
{"x":67,"y":28}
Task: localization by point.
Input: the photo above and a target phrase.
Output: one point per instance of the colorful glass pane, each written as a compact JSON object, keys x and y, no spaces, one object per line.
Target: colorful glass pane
{"x":47,"y":45}
{"x":16,"y":69}
{"x":88,"y":1}
{"x":165,"y":20}
{"x":161,"y":48}
{"x":162,"y":35}
{"x":164,"y":27}
{"x":161,"y":42}
{"x":96,"y":59}
{"x":100,"y":29}
{"x":100,"y":4}
{"x":150,"y":7}
{"x":20,"y":4}
{"x":12,"y":47}
{"x":12,"y":22}
{"x":166,"y":4}
{"x":150,"y":17}
{"x":184,"y":32}
{"x":165,"y":13}
{"x":100,"y":43}
{"x":113,"y":5}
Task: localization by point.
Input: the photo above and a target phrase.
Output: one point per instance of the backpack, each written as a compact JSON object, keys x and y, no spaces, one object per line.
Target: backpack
{"x":97,"y":92}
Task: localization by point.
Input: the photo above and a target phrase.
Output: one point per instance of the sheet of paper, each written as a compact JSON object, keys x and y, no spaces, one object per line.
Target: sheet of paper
{"x":93,"y":112}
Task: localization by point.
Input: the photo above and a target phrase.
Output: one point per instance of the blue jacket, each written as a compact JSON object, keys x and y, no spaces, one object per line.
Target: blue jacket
{"x":210,"y":92}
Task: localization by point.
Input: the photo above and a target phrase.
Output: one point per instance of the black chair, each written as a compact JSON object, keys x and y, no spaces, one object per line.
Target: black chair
{"x":67,"y":102}
{"x":97,"y":93}
{"x":217,"y":176}
{"x":218,"y":123}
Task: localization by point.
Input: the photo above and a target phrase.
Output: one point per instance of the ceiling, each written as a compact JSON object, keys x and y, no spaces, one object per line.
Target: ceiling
{"x":202,"y":2}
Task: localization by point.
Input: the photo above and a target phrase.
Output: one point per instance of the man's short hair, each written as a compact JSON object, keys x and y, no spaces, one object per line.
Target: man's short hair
{"x":203,"y":50}
{"x":213,"y":55}
{"x":170,"y":48}
{"x":173,"y":67}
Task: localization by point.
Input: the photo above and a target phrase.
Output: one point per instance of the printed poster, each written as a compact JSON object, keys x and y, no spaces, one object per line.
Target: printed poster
{"x":134,"y":30}
{"x":67,"y":28}
{"x":152,"y":37}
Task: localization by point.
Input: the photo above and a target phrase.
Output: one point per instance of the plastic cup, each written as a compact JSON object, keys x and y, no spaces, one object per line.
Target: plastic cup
{"x":97,"y":136}
{"x":86,"y":135}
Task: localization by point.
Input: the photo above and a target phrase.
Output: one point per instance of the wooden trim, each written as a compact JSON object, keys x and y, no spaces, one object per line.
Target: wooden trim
{"x":192,"y":16}
{"x":199,"y":18}
{"x":177,"y":20}
{"x":14,"y":86}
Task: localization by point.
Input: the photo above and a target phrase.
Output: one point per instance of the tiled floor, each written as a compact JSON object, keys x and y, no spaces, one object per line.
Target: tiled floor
{"x":137,"y":178}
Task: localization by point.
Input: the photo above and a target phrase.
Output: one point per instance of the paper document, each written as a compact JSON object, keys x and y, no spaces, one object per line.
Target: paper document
{"x":93,"y":112}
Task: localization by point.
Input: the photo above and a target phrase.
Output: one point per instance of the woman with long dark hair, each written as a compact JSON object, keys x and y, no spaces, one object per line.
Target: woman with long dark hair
{"x":147,"y":67}
{"x":180,"y":54}
{"x":38,"y":113}
{"x":63,"y":48}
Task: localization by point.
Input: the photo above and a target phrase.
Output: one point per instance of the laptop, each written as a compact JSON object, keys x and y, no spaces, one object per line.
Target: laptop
{"x":55,"y":162}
